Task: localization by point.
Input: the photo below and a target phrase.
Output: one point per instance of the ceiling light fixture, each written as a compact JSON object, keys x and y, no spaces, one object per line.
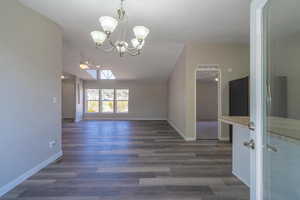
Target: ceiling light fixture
{"x":109,"y":24}
{"x":84,"y":65}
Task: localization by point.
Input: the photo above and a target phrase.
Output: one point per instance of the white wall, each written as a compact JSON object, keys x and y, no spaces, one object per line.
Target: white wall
{"x":147,"y":100}
{"x":176,"y":94}
{"x":68,"y":99}
{"x":207,"y":100}
{"x":230,"y":57}
{"x":30,"y":68}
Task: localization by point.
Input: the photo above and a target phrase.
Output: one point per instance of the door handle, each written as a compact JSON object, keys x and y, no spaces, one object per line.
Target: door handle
{"x":251,"y":126}
{"x":250,"y":144}
{"x":272,"y":148}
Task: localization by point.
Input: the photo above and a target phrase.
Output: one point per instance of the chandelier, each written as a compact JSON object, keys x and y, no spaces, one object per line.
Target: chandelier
{"x":121,"y":46}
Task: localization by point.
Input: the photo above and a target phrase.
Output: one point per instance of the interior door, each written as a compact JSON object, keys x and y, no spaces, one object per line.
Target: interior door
{"x":281,"y":99}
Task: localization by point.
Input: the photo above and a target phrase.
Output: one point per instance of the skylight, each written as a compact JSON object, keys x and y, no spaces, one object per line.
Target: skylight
{"x":107,"y":75}
{"x":92,"y":72}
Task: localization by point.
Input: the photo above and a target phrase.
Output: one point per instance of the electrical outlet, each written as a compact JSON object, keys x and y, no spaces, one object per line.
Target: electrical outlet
{"x":52,"y":144}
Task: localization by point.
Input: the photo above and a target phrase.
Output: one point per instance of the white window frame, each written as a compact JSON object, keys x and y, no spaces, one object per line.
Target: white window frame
{"x":100,"y":101}
{"x":115,"y":101}
{"x":87,"y":101}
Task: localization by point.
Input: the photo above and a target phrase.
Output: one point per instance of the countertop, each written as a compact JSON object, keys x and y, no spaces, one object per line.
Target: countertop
{"x":236,"y":120}
{"x":287,"y":129}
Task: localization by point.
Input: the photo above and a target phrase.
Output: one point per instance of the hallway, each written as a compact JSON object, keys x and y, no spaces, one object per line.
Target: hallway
{"x":133,"y":160}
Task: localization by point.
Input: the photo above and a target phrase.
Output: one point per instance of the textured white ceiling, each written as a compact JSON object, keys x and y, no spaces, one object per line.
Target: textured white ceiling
{"x":172,"y":23}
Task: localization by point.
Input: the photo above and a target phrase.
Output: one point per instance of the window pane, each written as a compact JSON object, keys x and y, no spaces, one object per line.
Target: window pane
{"x":93,"y":106}
{"x":122,"y":94}
{"x":107,"y":106}
{"x":107,"y":94}
{"x":92,"y":94}
{"x":122,"y":106}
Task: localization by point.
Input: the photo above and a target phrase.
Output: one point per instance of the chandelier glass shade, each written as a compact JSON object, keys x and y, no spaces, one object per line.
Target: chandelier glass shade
{"x":109,"y":25}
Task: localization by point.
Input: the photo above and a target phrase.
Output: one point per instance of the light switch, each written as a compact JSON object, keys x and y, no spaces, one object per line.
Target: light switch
{"x":54,"y":100}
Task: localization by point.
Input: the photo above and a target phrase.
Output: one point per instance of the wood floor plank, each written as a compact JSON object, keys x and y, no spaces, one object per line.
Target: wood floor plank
{"x":134,"y":160}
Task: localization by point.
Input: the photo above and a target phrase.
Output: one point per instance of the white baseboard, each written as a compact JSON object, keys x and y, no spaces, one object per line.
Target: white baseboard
{"x":180,"y":132}
{"x":125,"y":119}
{"x":11,"y":185}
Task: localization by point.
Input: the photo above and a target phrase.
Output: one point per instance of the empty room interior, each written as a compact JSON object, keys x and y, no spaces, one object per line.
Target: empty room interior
{"x":146,"y":100}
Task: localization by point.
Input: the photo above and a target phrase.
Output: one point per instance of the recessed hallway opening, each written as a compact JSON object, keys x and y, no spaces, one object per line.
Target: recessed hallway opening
{"x":128,"y":160}
{"x":207,"y":100}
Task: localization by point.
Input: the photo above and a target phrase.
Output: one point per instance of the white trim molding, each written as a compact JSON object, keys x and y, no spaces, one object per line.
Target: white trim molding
{"x":11,"y":185}
{"x":180,"y":132}
{"x":256,"y":97}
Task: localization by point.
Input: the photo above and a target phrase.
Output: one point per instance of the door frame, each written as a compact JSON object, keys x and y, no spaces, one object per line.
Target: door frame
{"x":215,"y":68}
{"x":256,"y":97}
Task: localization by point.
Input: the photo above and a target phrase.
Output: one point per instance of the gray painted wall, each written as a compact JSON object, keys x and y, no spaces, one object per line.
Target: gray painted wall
{"x":30,"y":68}
{"x":176,"y":93}
{"x":207,"y":101}
{"x":147,"y":100}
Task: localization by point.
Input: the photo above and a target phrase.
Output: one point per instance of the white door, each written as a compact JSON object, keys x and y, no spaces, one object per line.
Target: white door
{"x":275,"y":106}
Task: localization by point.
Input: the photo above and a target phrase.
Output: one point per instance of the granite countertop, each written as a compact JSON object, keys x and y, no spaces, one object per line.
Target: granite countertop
{"x":236,"y":120}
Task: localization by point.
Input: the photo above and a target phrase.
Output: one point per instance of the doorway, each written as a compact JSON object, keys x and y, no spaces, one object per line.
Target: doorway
{"x":207,"y":103}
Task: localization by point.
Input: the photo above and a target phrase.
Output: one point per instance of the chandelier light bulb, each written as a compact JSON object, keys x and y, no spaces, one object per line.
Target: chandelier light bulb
{"x":108,"y":24}
{"x":141,"y":32}
{"x":136,"y":43}
{"x":99,"y":37}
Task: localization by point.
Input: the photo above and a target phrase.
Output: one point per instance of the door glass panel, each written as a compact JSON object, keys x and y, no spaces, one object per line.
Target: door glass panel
{"x":282,"y":100}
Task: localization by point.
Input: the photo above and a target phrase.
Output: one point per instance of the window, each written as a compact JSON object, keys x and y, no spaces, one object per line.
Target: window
{"x":106,"y":75}
{"x":107,"y":100}
{"x":92,"y":73}
{"x":92,"y":100}
{"x":122,"y":97}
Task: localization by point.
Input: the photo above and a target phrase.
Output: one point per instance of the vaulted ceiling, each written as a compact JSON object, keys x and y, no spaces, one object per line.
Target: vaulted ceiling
{"x":172,"y":23}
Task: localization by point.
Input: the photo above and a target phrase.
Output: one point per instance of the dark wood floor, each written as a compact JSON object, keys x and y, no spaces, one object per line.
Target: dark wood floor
{"x":134,"y":160}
